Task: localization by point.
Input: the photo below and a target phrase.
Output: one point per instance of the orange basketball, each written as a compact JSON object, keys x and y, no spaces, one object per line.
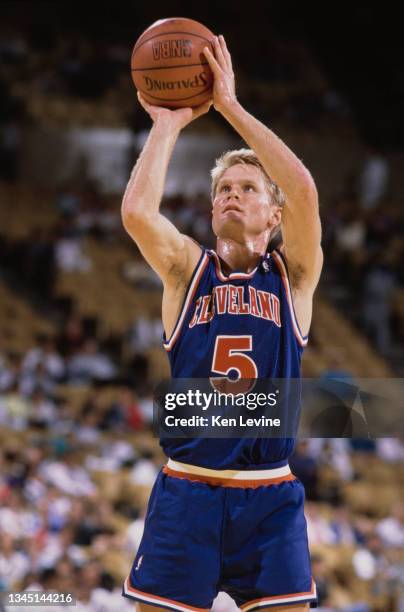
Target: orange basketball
{"x":168,"y":66}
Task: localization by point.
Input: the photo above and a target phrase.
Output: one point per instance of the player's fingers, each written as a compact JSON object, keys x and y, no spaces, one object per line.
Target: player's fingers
{"x":212,"y":61}
{"x":151,"y":110}
{"x":219,"y":53}
{"x":226,"y":52}
{"x":142,"y":101}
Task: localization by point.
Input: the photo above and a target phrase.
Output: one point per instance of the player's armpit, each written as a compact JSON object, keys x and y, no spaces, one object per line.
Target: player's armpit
{"x":172,"y":255}
{"x":304,"y":275}
{"x":302,"y":286}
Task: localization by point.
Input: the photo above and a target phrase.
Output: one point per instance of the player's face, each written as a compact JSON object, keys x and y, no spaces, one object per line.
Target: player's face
{"x":242,"y":205}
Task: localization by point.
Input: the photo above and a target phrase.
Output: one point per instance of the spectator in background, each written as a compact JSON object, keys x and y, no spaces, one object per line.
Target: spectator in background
{"x":96,"y":216}
{"x":113,"y":417}
{"x":378,"y":292}
{"x":146,"y":406}
{"x":351,"y":232}
{"x":342,"y":526}
{"x":140,"y":275}
{"x":10,"y":371}
{"x":145,"y":334}
{"x":350,"y":238}
{"x":335,"y":453}
{"x":382,"y":228}
{"x":38,"y":379}
{"x":87,"y":430}
{"x":390,"y":450}
{"x":89,"y":580}
{"x":373,"y":179}
{"x":65,"y":573}
{"x":112,"y":455}
{"x":42,"y":410}
{"x":304,"y":466}
{"x":127,"y":406}
{"x":319,"y":528}
{"x":68,"y":201}
{"x":16,"y":408}
{"x":73,"y":333}
{"x":145,"y":470}
{"x":68,"y":475}
{"x":138,"y":371}
{"x":45,"y":353}
{"x":368,"y":560}
{"x":15,"y":519}
{"x":134,"y":534}
{"x":4,"y":487}
{"x":90,"y":364}
{"x":321,"y":579}
{"x":391,"y":528}
{"x":69,"y":253}
{"x":14,"y":563}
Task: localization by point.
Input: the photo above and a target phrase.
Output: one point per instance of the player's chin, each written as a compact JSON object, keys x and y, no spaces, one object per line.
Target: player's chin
{"x":229,"y":220}
{"x":231,"y":228}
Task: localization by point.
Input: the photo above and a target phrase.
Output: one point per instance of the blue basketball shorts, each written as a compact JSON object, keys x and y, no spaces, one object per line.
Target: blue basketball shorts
{"x":223,"y":530}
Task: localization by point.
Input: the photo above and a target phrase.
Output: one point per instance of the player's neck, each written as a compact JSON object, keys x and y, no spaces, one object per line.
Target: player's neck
{"x":236,"y":256}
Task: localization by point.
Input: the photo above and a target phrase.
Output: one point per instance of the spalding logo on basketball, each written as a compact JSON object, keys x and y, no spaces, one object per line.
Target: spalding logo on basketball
{"x":168,"y":66}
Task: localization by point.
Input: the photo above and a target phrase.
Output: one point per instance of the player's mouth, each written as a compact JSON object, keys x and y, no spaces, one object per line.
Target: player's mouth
{"x":232,"y":207}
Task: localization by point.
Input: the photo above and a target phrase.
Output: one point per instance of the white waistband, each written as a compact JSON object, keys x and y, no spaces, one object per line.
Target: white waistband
{"x":235,"y":474}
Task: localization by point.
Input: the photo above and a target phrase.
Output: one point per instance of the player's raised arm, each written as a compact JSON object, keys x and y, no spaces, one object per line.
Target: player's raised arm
{"x":301,"y":227}
{"x":170,"y":253}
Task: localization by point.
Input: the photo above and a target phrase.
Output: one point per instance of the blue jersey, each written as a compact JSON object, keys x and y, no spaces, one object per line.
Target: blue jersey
{"x":244,"y":323}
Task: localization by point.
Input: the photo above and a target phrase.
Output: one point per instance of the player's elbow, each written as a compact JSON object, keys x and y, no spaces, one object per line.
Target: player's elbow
{"x":128,"y":215}
{"x":131,"y":221}
{"x":308,"y":190}
{"x":302,"y":193}
{"x":134,"y":217}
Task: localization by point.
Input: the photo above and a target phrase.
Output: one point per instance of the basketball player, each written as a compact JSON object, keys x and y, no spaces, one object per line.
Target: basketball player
{"x":227,"y":514}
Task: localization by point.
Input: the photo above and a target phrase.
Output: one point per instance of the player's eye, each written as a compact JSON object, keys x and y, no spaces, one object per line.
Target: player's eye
{"x":249,"y":187}
{"x":225,"y":188}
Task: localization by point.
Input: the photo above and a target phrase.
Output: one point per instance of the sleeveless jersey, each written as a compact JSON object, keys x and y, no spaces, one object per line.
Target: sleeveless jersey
{"x":251,"y":314}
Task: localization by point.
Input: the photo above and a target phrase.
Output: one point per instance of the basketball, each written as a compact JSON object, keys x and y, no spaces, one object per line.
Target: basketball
{"x":168,"y":65}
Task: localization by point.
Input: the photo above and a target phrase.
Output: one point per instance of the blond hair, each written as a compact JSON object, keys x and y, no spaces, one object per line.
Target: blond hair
{"x":247,"y":157}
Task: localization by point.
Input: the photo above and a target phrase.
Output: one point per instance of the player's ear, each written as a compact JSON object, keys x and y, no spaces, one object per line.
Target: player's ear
{"x":275,"y":216}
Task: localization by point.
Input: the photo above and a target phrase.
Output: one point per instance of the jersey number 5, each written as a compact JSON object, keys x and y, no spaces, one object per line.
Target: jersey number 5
{"x":229,"y":355}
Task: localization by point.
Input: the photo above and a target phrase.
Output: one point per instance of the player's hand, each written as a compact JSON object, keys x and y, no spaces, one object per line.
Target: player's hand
{"x":174,"y":120}
{"x":224,"y":87}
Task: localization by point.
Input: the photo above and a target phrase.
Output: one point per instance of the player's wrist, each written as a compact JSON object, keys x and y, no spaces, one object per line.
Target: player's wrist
{"x":231,"y":107}
{"x":166,"y":127}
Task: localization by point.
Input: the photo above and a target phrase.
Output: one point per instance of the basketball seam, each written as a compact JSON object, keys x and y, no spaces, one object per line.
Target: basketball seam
{"x":170,"y":67}
{"x":174,"y":99}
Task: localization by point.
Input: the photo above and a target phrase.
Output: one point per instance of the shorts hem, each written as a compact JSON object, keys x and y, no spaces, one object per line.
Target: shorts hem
{"x":281,"y":600}
{"x":155,"y":600}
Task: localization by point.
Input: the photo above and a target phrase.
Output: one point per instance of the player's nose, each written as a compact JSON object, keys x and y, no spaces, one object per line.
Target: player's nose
{"x":233,"y":193}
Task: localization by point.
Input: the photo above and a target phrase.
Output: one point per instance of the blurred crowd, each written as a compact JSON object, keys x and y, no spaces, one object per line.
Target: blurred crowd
{"x":58,"y":529}
{"x":51,"y":79}
{"x":71,"y":518}
{"x":363,"y":239}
